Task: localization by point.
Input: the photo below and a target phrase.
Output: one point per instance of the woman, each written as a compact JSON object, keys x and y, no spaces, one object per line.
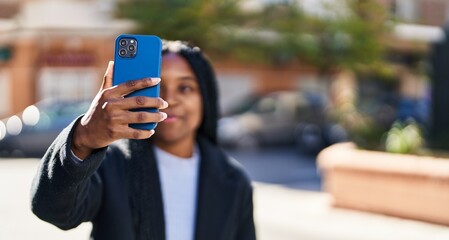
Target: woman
{"x":176,"y":185}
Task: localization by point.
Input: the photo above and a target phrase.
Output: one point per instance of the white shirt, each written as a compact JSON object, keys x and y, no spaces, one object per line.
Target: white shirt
{"x":179,"y":178}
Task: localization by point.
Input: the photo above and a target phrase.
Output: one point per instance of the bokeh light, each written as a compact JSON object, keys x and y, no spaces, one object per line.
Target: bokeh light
{"x":14,"y":125}
{"x":2,"y":130}
{"x":31,"y":115}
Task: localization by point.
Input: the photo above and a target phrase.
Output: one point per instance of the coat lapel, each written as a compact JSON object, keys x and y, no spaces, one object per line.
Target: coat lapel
{"x":146,"y":194}
{"x":216,"y":194}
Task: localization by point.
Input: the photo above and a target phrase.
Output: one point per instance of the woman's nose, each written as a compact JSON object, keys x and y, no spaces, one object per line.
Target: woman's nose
{"x":169,"y":96}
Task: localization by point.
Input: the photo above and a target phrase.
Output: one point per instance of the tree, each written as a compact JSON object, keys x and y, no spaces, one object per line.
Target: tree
{"x":194,"y":20}
{"x":279,"y":33}
{"x":348,"y":38}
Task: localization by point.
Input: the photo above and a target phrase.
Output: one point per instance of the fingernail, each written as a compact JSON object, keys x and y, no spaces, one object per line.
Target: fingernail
{"x":152,"y":132}
{"x":164,"y":116}
{"x":155,"y":80}
{"x":164,"y":104}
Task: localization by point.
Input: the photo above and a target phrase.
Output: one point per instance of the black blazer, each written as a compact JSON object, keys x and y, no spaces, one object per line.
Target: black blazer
{"x":67,"y":192}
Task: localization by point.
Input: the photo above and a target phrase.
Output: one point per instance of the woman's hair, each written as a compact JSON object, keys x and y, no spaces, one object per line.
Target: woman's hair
{"x":206,"y":80}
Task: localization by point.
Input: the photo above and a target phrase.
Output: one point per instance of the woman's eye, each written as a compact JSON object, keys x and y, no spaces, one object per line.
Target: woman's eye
{"x":186,"y":89}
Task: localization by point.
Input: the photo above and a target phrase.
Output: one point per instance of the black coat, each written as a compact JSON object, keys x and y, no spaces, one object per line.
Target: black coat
{"x":67,"y":192}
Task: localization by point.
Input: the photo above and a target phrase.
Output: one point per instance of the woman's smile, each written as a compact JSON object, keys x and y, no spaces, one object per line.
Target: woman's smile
{"x":171,"y":118}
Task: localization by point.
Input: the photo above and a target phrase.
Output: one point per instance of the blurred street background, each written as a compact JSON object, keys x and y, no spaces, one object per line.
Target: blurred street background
{"x":297,"y":78}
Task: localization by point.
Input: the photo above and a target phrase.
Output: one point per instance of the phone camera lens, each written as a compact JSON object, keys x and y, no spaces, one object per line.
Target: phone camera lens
{"x":122,"y":52}
{"x":131,"y":48}
{"x":123,"y":42}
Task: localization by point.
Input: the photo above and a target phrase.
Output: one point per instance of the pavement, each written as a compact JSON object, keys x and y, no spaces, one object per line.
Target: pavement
{"x":281,"y":213}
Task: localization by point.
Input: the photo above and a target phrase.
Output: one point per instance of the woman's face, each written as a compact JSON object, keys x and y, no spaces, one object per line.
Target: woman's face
{"x":180,"y":88}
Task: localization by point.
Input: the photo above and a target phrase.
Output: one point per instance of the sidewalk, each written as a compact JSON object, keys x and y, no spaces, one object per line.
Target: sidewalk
{"x":281,"y":214}
{"x":286,"y":214}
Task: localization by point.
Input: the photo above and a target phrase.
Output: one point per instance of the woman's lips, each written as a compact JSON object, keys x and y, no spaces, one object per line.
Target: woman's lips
{"x":170,"y":119}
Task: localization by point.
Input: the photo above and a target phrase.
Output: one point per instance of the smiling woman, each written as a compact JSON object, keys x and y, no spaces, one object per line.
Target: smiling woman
{"x":177,"y":185}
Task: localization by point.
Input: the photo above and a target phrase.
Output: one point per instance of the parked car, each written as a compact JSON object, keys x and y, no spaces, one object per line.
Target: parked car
{"x":30,"y":133}
{"x":287,"y":117}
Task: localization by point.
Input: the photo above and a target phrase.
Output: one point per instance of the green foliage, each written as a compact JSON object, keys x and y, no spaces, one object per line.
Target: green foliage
{"x":278,"y":34}
{"x":404,"y":138}
{"x":364,"y":130}
{"x":193,"y":20}
{"x":347,"y":39}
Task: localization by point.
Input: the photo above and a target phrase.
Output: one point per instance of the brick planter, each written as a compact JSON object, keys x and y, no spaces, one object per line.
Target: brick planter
{"x":399,"y":185}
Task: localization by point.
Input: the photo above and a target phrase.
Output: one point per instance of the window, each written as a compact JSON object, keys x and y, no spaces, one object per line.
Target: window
{"x":406,"y":10}
{"x":67,"y":83}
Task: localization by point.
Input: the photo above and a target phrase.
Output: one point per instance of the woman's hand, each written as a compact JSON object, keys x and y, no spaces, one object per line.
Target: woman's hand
{"x":108,"y":116}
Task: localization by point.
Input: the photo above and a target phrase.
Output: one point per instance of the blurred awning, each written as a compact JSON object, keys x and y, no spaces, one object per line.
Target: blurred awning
{"x":419,"y":33}
{"x":413,"y":38}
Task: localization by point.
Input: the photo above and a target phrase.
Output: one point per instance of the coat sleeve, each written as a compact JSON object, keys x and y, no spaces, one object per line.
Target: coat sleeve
{"x":246,"y":229}
{"x":66,"y":191}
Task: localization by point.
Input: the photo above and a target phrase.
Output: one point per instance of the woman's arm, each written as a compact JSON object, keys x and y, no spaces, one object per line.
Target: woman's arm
{"x":65,"y":190}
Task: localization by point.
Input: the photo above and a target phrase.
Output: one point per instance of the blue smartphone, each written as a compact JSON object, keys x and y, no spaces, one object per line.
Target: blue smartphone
{"x":137,"y":57}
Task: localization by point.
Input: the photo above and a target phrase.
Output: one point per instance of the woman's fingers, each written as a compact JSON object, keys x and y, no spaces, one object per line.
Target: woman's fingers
{"x":109,"y":115}
{"x":139,"y":102}
{"x":145,"y":117}
{"x":132,"y":133}
{"x":128,"y":117}
{"x":124,"y":131}
{"x":128,"y":87}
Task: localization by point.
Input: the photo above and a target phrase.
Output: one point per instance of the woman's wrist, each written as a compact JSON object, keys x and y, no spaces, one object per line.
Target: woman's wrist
{"x":78,"y":147}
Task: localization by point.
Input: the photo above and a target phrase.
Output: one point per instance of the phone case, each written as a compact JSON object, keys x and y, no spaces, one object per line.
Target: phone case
{"x":146,"y":62}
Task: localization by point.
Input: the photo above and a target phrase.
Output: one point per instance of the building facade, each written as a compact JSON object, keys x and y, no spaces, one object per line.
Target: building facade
{"x":59,"y":49}
{"x":54,"y":49}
